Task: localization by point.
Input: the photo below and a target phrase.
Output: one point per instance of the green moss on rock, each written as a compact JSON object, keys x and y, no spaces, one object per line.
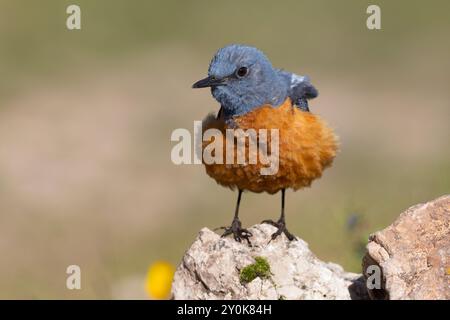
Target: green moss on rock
{"x":260,"y":268}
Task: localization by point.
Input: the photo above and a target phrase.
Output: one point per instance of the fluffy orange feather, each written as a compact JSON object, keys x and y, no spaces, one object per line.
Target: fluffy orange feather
{"x":306,"y":147}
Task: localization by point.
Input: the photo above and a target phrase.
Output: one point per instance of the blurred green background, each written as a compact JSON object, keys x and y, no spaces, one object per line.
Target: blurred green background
{"x":86,"y":117}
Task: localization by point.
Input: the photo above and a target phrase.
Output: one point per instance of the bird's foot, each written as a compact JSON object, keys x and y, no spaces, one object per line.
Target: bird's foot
{"x":281,"y":226}
{"x":237,"y":231}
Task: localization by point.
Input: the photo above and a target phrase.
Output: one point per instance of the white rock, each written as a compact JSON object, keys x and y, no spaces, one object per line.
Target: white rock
{"x":210,"y":269}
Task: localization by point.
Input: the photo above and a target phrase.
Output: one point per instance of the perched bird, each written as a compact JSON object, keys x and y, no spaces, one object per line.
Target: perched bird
{"x":255,"y":95}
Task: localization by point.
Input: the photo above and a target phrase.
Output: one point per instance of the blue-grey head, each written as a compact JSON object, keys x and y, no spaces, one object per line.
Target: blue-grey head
{"x":241,"y":78}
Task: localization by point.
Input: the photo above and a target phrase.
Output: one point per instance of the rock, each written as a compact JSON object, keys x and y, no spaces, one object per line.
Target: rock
{"x":211,"y":269}
{"x":413,"y":253}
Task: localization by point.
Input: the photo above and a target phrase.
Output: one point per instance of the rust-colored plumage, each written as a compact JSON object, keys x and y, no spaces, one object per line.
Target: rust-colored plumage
{"x":306,"y":147}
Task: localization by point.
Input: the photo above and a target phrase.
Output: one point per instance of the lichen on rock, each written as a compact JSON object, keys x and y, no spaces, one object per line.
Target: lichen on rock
{"x":260,"y":268}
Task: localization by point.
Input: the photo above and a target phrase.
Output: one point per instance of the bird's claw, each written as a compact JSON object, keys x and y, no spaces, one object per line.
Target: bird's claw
{"x":237,"y":231}
{"x":281,"y":228}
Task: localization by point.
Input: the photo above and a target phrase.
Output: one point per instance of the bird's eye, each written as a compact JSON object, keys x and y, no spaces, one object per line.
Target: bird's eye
{"x":242,"y":72}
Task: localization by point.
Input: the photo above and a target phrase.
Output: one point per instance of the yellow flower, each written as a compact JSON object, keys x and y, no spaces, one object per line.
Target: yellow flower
{"x":448,"y":271}
{"x":159,"y":280}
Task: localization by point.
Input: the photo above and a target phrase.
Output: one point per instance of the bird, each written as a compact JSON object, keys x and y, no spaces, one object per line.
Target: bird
{"x":254,"y":95}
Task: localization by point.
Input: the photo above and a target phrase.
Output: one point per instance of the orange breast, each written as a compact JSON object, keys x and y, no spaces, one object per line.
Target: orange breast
{"x":306,"y":147}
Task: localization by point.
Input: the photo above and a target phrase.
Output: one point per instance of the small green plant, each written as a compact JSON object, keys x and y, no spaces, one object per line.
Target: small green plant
{"x":260,"y":268}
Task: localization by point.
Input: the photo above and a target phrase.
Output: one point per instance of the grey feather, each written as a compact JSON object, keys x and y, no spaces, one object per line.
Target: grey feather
{"x":300,"y":89}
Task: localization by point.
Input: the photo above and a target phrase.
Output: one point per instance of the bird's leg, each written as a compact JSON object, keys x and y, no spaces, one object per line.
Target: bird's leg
{"x":236,"y":229}
{"x":281,"y":223}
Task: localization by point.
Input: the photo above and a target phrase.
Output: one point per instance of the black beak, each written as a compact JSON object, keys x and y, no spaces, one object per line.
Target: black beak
{"x":208,"y":82}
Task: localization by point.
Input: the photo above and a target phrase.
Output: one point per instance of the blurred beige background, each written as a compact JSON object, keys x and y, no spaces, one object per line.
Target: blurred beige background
{"x":86,"y":117}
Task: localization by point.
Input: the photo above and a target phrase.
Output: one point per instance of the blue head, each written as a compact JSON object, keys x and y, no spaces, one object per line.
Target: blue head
{"x":242,"y":78}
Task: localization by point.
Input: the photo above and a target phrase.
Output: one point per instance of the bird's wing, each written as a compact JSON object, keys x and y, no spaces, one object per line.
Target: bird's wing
{"x":300,"y":89}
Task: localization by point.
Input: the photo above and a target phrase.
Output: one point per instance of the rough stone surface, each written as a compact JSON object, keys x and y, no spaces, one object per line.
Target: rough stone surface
{"x":414,"y":253}
{"x":210,"y":270}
